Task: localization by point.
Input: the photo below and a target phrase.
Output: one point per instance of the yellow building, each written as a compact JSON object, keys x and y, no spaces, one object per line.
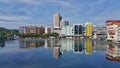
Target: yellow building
{"x":88,"y":29}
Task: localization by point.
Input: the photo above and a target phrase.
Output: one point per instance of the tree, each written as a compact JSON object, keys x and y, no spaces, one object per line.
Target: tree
{"x":46,"y":35}
{"x":55,"y":34}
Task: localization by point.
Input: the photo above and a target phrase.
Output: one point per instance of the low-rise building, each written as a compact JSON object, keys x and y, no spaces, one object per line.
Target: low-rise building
{"x":67,"y":31}
{"x":48,"y":29}
{"x":113,"y":30}
{"x":31,"y":29}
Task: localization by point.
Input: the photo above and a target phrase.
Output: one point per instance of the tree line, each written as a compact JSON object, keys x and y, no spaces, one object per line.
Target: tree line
{"x":45,"y":35}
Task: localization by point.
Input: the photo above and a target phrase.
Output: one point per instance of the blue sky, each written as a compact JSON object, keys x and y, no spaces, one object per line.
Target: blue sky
{"x":15,"y":13}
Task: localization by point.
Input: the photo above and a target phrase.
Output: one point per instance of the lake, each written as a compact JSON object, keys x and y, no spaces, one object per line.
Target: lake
{"x":64,"y":53}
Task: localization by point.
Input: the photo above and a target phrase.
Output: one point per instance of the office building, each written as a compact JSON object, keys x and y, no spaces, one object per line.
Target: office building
{"x":113,"y":30}
{"x":56,"y":23}
{"x":78,"y":29}
{"x":67,"y":31}
{"x":56,"y":20}
{"x":64,"y":23}
{"x":48,"y":29}
{"x":88,"y":29}
{"x":31,"y":29}
{"x":23,"y":29}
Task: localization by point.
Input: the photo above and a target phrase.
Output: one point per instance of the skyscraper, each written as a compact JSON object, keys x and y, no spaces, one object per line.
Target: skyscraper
{"x":88,"y":29}
{"x":64,"y":23}
{"x":56,"y":20}
{"x":78,"y":29}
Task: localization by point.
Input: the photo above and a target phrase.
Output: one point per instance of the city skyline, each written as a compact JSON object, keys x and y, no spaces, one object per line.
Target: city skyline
{"x":15,"y":13}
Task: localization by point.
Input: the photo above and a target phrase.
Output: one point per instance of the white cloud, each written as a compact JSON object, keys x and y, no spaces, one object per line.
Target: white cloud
{"x":59,"y":2}
{"x":13,"y":22}
{"x":101,"y":18}
{"x":14,"y":18}
{"x":98,"y":2}
{"x":30,"y":1}
{"x":63,"y":3}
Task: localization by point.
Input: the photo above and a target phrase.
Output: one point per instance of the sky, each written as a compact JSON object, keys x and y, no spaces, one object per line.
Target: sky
{"x":15,"y":13}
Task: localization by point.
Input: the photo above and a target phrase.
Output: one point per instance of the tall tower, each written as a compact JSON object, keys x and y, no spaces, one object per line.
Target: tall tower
{"x":64,"y":23}
{"x":88,"y":29}
{"x":56,"y":20}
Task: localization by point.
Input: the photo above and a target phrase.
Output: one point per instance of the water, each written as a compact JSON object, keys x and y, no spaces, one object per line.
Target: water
{"x":58,"y":54}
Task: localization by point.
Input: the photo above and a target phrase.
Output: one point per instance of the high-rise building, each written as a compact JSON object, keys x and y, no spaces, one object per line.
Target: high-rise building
{"x":56,"y":20}
{"x":64,"y":23}
{"x":88,"y":29}
{"x":67,"y":31}
{"x":78,"y":29}
{"x":113,"y":30}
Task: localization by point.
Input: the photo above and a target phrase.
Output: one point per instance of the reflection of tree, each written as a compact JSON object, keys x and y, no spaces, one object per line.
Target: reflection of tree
{"x":39,"y":44}
{"x":2,"y":44}
{"x":30,"y":44}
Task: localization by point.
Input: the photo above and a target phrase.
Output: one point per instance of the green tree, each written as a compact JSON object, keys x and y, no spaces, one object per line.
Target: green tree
{"x":55,"y":34}
{"x":46,"y":35}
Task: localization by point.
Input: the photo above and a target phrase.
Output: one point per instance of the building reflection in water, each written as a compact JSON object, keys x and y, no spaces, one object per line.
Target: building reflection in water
{"x":30,"y":44}
{"x":67,"y":45}
{"x":2,"y":44}
{"x":62,"y":46}
{"x":56,"y":51}
{"x":88,"y":46}
{"x":113,"y":52}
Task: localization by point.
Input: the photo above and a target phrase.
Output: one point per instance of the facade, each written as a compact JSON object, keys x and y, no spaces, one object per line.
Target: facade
{"x":56,"y":23}
{"x":88,"y":29}
{"x":67,"y":31}
{"x":23,"y":30}
{"x":31,"y":29}
{"x":113,"y":30}
{"x":48,"y":29}
{"x":99,"y":32}
{"x":64,"y":23}
{"x":78,"y":29}
{"x":40,"y":30}
{"x":56,"y":20}
{"x":58,"y":30}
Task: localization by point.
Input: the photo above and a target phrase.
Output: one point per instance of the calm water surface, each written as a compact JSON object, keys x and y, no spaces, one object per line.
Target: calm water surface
{"x":59,"y":54}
